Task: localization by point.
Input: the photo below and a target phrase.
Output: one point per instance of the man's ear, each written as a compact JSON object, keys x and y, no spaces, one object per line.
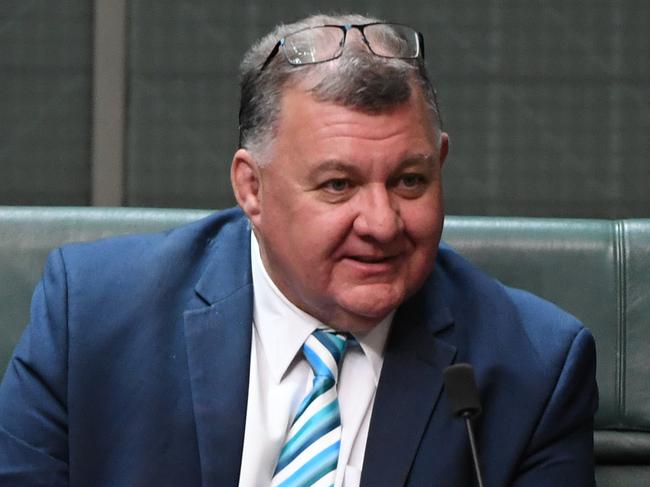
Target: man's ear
{"x":444,"y":147}
{"x":245,"y":180}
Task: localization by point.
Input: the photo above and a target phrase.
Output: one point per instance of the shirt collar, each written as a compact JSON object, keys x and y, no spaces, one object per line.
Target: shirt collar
{"x":373,"y":341}
{"x":283,"y":327}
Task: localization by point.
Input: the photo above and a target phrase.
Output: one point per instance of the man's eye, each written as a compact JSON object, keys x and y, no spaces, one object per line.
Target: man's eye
{"x":337,"y":185}
{"x":411,"y":180}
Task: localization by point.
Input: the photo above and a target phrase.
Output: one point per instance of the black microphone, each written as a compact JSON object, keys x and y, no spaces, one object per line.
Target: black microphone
{"x":463,"y":398}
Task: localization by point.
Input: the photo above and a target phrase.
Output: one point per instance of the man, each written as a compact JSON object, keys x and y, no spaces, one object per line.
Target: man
{"x":210,"y":354}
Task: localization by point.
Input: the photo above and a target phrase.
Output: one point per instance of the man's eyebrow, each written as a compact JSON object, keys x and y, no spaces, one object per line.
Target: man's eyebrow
{"x":415,"y":159}
{"x":411,"y":160}
{"x":335,"y":165}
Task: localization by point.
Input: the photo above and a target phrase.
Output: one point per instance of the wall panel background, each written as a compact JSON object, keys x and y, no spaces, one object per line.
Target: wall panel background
{"x":45,"y":102}
{"x":547,"y":103}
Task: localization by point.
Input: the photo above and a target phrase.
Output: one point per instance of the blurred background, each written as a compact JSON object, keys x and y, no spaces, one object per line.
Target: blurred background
{"x":134,"y":103}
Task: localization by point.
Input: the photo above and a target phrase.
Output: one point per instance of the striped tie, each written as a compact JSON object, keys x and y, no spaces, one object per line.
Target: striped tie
{"x":310,"y":454}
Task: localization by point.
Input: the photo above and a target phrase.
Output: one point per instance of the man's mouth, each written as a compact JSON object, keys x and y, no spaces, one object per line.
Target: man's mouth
{"x":366,"y":259}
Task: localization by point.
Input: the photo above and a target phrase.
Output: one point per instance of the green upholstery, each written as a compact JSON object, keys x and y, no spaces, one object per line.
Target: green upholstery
{"x":598,"y":270}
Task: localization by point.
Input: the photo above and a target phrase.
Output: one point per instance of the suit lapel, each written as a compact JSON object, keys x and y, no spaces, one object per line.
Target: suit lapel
{"x":408,"y":390}
{"x":218,"y":340}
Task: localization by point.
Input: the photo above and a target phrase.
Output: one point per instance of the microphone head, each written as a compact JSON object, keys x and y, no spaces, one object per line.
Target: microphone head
{"x":462,"y":391}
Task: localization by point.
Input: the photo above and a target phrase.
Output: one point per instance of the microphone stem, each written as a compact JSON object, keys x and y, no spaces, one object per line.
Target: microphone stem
{"x":472,"y":444}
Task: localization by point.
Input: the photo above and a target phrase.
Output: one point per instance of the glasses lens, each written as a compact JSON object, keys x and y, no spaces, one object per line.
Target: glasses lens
{"x":313,"y":45}
{"x":393,"y":40}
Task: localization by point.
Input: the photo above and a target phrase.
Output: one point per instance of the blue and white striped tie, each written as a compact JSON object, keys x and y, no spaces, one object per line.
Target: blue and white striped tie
{"x":310,"y":454}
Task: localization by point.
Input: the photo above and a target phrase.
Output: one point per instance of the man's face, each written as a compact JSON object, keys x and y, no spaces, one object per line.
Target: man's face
{"x":349,"y":211}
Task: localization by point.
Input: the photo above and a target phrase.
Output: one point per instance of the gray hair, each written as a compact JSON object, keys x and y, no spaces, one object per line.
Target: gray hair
{"x":357,"y":79}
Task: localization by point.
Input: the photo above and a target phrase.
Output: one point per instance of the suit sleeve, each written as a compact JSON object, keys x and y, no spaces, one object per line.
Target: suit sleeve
{"x":33,"y":416}
{"x":560,"y":452}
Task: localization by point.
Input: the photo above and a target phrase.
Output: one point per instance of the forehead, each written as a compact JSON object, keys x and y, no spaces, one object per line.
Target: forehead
{"x":306,"y":121}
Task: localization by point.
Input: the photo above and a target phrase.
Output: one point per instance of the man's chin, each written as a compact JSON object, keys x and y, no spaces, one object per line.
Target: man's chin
{"x":365,"y":311}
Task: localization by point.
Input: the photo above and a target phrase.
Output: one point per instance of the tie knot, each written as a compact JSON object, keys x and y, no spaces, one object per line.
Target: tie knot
{"x":324,"y":351}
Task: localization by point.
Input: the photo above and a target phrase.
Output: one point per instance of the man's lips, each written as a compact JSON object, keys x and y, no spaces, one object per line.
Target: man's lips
{"x":373,"y":263}
{"x":365,"y":266}
{"x":371,"y":259}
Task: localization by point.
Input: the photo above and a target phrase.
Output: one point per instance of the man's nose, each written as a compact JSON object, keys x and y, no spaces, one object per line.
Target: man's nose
{"x":378,"y":216}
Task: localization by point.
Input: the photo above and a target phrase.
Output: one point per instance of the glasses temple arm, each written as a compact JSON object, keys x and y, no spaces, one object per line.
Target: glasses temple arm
{"x":272,"y":54}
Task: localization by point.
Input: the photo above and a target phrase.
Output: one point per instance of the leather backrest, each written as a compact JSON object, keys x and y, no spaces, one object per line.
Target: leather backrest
{"x":596,"y":269}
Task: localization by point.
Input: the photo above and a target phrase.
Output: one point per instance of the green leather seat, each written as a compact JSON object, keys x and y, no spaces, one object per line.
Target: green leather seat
{"x":598,"y":270}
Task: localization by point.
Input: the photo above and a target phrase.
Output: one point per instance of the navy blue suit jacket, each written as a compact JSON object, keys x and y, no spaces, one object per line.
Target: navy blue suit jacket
{"x":133,"y":371}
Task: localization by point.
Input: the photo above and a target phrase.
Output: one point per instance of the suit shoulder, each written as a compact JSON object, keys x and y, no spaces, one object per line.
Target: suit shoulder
{"x":479,"y":300}
{"x":164,"y":261}
{"x":134,"y":247}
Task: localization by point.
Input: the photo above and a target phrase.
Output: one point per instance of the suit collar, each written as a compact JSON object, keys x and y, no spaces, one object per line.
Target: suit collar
{"x":218,"y":341}
{"x":410,"y":385}
{"x":228,"y":266}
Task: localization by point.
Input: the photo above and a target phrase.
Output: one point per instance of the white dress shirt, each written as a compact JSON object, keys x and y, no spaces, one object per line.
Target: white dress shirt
{"x":280,"y":378}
